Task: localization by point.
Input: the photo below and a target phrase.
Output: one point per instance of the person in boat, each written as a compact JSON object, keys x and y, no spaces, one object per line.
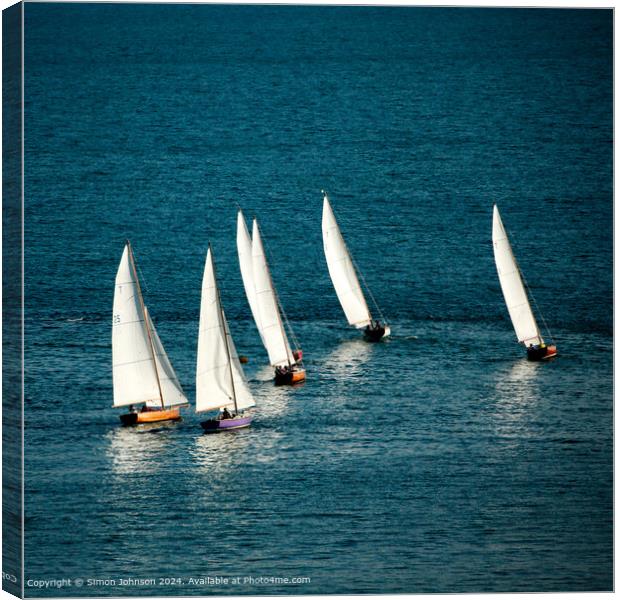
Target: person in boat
{"x":373,"y":326}
{"x":283,"y":370}
{"x":226,"y":414}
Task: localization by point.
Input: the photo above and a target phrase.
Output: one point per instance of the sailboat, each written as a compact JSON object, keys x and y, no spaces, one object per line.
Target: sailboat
{"x":515,"y":295}
{"x":220,"y":383}
{"x":265,"y":306}
{"x":141,"y":370}
{"x":346,"y":283}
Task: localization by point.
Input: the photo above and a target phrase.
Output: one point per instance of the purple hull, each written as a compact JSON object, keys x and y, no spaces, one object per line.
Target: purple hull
{"x":218,"y":425}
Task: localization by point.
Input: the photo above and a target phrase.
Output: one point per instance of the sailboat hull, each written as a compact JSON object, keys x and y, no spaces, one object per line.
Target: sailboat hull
{"x":150,"y":416}
{"x":541,"y":353}
{"x":296,"y":375}
{"x":219,"y":425}
{"x":376,"y":334}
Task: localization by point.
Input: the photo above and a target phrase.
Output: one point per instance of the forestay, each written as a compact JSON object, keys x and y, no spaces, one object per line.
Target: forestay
{"x":171,"y":389}
{"x":512,"y":285}
{"x":244,"y":249}
{"x":274,"y":337}
{"x":219,"y":376}
{"x":342,"y":271}
{"x":134,"y":374}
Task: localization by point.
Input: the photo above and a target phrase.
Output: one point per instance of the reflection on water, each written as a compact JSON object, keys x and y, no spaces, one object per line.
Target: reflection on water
{"x":138,"y":448}
{"x":217,"y":453}
{"x":519,"y":383}
{"x":273,"y":401}
{"x":517,"y":391}
{"x":264,"y":374}
{"x":347,"y":360}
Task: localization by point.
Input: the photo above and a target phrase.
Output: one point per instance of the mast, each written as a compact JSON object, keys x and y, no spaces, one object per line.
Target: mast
{"x":368,"y":290}
{"x":528,"y":291}
{"x":277,"y":299}
{"x":278,"y":303}
{"x":223,"y":324}
{"x":232,"y":379}
{"x":146,"y":323}
{"x":296,"y":343}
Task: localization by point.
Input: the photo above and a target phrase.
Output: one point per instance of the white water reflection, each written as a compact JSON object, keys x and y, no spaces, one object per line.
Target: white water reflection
{"x":217,"y":453}
{"x":138,"y":448}
{"x":275,"y":401}
{"x":519,"y":383}
{"x":263,"y":374}
{"x":347,"y":360}
{"x":517,"y":396}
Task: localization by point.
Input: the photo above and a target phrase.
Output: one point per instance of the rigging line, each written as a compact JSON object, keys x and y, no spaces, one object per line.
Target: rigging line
{"x":144,"y":283}
{"x":368,"y":289}
{"x":529,"y":289}
{"x":540,"y":314}
{"x":286,"y":320}
{"x":275,"y":291}
{"x":222,"y":320}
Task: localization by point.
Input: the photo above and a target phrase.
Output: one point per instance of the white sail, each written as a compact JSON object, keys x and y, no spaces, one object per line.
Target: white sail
{"x":512,"y":286}
{"x":219,"y":376}
{"x":342,"y":271}
{"x":133,"y":367}
{"x":171,"y":389}
{"x":244,"y":249}
{"x":274,"y":336}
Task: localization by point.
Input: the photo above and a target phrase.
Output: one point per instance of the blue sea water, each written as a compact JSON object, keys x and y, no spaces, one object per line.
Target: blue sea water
{"x":438,"y":461}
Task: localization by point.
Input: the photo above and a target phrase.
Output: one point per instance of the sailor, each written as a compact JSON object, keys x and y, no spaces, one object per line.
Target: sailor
{"x":226,"y":414}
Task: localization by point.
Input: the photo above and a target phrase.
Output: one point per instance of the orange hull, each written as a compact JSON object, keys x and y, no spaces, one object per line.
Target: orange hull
{"x":299,"y":376}
{"x":151,"y":416}
{"x":551,"y":352}
{"x":290,"y":376}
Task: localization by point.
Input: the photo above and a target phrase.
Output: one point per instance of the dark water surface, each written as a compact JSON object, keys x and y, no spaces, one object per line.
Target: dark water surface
{"x":438,"y":461}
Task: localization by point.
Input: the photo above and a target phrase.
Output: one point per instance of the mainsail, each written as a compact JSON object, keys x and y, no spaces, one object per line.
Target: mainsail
{"x":244,"y":249}
{"x":512,"y":286}
{"x":219,"y":377}
{"x":134,"y":373}
{"x":342,"y":271}
{"x":141,"y":371}
{"x":273,"y":334}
